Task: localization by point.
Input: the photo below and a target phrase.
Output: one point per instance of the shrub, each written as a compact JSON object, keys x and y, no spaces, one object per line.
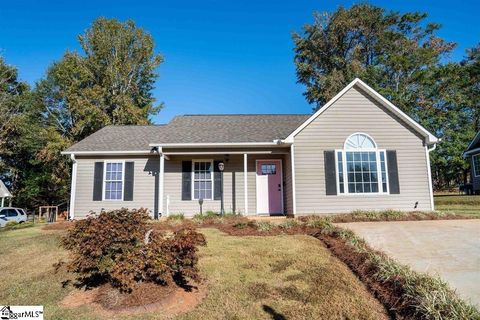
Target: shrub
{"x":117,"y":248}
{"x":289,"y":223}
{"x":176,"y":217}
{"x":199,"y":217}
{"x":14,"y":225}
{"x":264,"y":226}
{"x":11,"y":224}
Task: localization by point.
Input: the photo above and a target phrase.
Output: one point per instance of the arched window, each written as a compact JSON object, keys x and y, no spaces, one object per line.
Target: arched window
{"x":361,"y":166}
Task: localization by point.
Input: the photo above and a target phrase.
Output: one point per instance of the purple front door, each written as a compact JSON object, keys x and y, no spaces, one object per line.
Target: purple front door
{"x":269,"y":186}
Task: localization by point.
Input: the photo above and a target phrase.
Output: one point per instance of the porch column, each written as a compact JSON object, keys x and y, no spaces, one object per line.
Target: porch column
{"x":73,"y":188}
{"x":160,"y":181}
{"x":245,"y":182}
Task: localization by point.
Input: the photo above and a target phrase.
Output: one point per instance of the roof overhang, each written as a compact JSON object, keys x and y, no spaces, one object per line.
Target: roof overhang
{"x":471,"y":152}
{"x":221,"y":144}
{"x":474,"y":141}
{"x":233,"y":145}
{"x":429,"y":138}
{"x":99,"y":153}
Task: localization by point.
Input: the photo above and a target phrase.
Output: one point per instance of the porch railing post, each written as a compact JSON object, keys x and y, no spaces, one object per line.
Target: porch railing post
{"x":245,"y":181}
{"x":160,"y":180}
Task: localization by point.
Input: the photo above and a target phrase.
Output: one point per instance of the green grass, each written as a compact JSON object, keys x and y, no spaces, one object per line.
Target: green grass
{"x":247,"y":278}
{"x":459,"y":204}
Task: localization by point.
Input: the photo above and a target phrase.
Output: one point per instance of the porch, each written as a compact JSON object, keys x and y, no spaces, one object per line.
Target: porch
{"x":256,"y":181}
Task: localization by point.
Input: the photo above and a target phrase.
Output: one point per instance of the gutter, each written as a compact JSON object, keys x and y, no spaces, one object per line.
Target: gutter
{"x":276,"y":142}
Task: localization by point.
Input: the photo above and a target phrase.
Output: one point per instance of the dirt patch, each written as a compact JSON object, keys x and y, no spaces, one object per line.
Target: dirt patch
{"x":169,"y":301}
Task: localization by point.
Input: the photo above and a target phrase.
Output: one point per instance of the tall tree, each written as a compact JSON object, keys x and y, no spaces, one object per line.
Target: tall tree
{"x":110,"y":82}
{"x":390,"y":51}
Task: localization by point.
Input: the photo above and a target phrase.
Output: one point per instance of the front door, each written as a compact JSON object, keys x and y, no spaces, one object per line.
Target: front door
{"x":269,"y":186}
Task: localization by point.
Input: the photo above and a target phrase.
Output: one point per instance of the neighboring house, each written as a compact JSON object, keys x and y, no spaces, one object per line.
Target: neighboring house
{"x":473,"y":154}
{"x":357,"y":152}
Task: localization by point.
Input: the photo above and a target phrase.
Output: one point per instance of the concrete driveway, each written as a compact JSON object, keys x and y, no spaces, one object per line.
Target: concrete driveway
{"x":448,"y":248}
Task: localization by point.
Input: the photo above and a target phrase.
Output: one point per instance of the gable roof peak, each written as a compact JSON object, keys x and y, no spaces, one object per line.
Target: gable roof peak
{"x":429,"y":138}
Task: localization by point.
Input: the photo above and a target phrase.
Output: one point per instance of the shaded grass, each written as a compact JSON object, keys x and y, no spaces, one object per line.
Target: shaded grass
{"x":460,"y":204}
{"x":247,"y":277}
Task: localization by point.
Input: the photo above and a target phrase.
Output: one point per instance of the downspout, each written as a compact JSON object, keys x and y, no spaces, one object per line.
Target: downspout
{"x":430,"y":184}
{"x":73,"y":187}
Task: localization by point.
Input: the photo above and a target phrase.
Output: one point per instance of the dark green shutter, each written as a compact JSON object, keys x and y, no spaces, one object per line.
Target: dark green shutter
{"x":128,"y":186}
{"x":392,"y":167}
{"x":186,"y":180}
{"x":330,"y":173}
{"x":98,"y":181}
{"x":217,"y":181}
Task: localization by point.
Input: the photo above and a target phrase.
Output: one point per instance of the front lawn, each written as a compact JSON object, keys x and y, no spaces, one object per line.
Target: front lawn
{"x":292,"y":277}
{"x":459,"y":204}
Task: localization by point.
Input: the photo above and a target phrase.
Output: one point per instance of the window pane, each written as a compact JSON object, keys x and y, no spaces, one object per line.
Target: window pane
{"x":384,"y":171}
{"x":113,"y":181}
{"x":362,"y":172}
{"x":202,"y":180}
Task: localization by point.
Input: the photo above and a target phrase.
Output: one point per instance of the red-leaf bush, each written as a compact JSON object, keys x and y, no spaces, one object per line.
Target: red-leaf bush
{"x":117,"y":247}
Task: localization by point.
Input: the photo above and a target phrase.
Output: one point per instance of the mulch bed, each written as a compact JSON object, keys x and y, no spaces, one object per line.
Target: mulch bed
{"x":389,"y":294}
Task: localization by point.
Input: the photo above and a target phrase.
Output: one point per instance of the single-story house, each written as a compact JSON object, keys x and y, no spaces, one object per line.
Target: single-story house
{"x":473,"y":154}
{"x":358,"y":151}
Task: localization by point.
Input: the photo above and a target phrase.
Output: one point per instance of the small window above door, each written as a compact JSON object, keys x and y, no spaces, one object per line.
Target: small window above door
{"x":268,"y":169}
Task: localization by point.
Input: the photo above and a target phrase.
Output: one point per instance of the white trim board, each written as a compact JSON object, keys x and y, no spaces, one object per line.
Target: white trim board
{"x":218,"y":144}
{"x":429,"y":138}
{"x":95,"y":153}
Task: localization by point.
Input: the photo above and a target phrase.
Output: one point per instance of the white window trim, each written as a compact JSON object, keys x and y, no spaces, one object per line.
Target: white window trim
{"x":104,"y":191}
{"x":475,"y":173}
{"x":211,"y":177}
{"x":363,"y":134}
{"x":345,"y":175}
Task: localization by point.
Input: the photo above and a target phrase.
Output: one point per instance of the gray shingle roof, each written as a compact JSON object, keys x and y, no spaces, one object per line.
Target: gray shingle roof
{"x":193,"y":129}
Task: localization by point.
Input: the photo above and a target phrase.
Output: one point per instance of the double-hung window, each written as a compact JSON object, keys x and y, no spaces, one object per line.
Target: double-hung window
{"x":476,"y":165}
{"x":114,"y":180}
{"x":361,"y":166}
{"x":202,"y":179}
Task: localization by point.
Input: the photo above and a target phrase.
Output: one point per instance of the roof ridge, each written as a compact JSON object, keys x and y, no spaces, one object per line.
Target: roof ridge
{"x":137,"y":125}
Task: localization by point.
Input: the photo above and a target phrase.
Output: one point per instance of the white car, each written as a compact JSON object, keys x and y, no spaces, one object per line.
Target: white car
{"x":8,"y":214}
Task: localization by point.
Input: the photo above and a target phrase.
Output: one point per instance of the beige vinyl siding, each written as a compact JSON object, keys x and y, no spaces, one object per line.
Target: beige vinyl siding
{"x":355,"y":112}
{"x":143,"y":192}
{"x":173,"y":186}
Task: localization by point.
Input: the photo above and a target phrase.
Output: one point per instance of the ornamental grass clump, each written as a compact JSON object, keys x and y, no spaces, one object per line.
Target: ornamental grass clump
{"x":264,"y":226}
{"x":118,"y":247}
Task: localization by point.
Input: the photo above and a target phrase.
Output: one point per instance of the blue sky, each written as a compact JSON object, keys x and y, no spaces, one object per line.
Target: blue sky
{"x":220,"y":56}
